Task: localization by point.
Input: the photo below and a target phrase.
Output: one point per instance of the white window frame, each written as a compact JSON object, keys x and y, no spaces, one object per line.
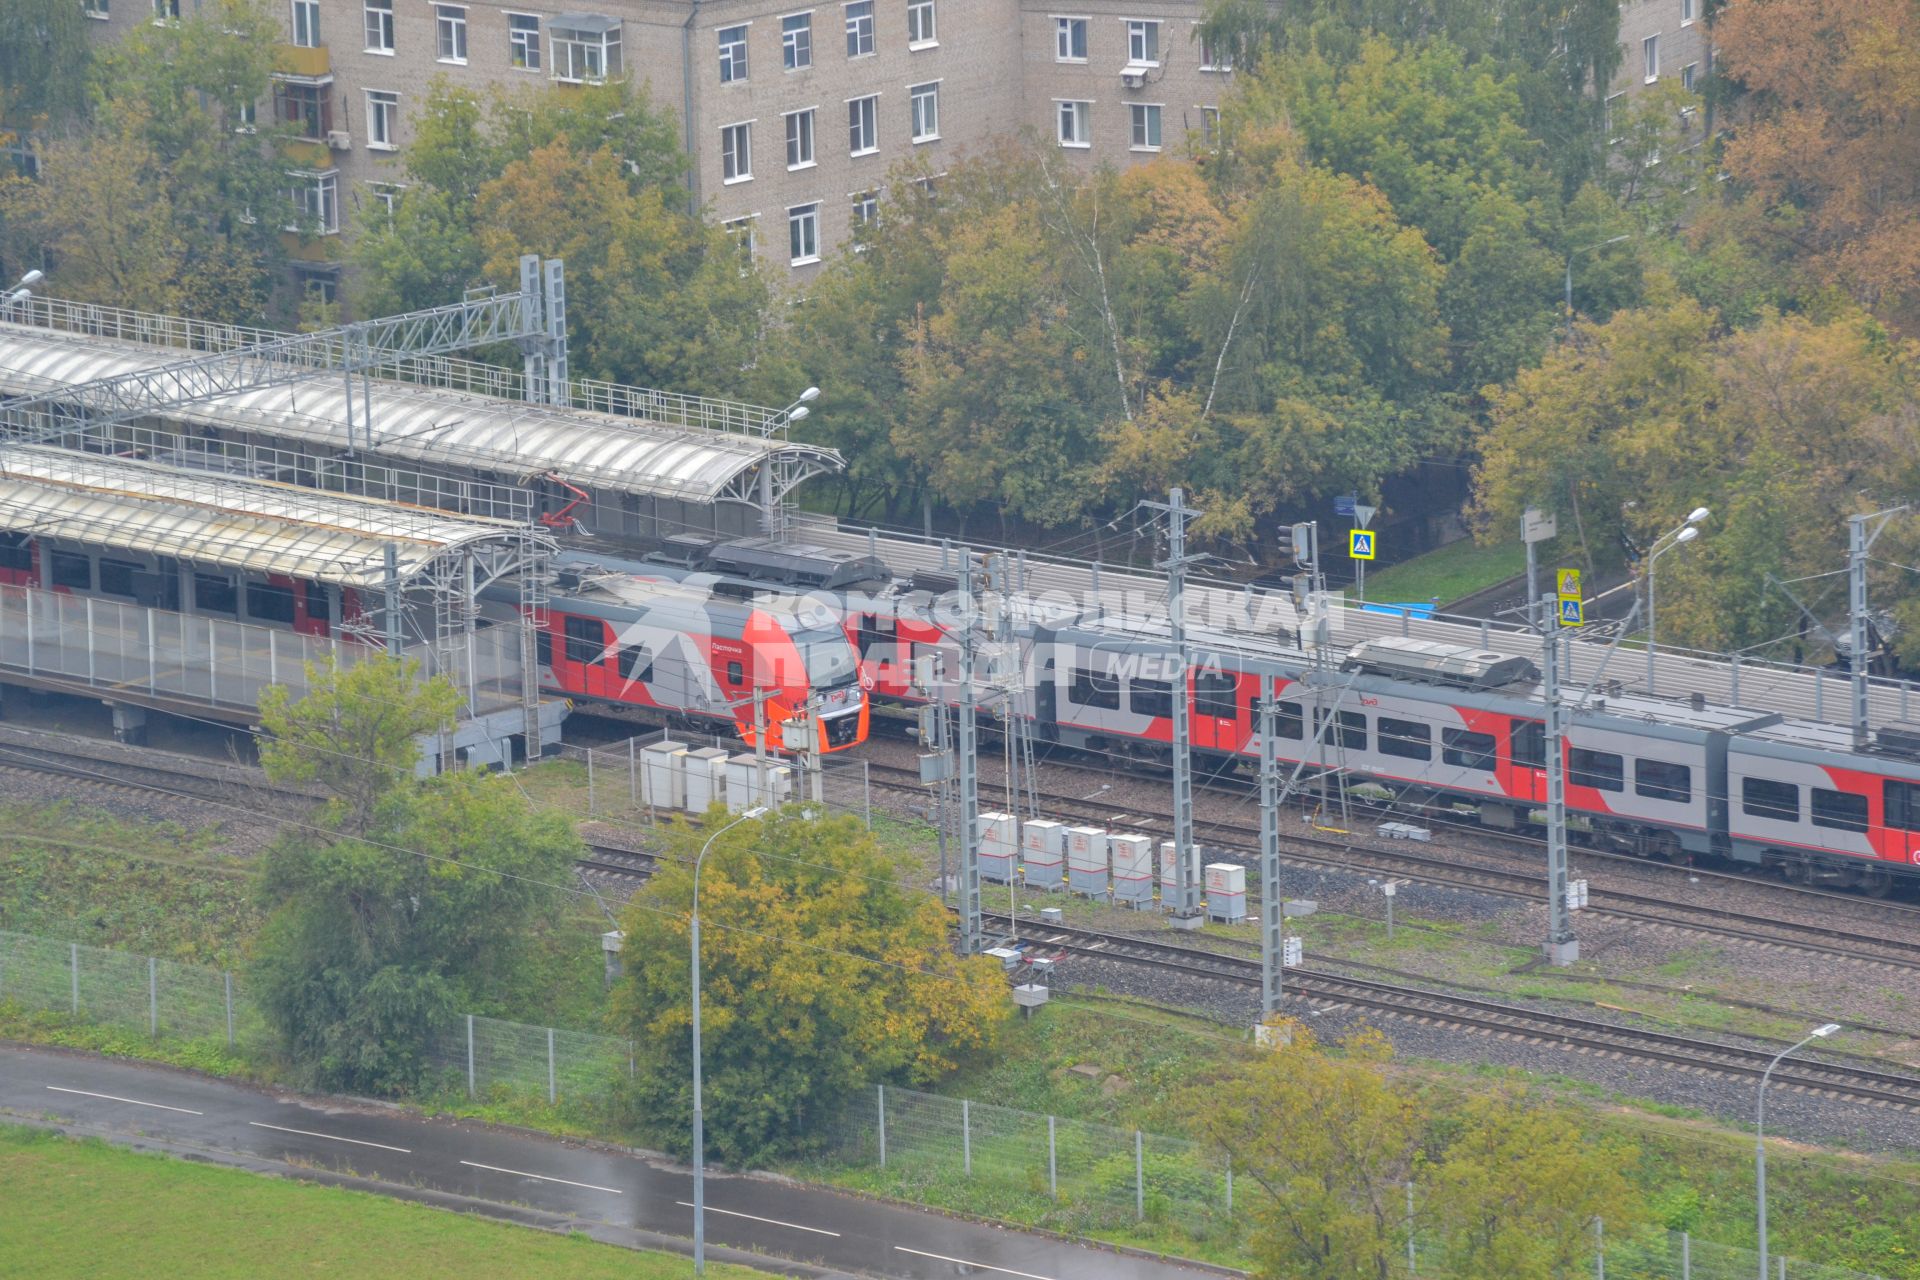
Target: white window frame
{"x":100,"y":10}
{"x":860,"y":30}
{"x":450,"y":34}
{"x":800,"y":253}
{"x":1208,"y":60}
{"x":915,"y":97}
{"x":1138,"y":114}
{"x":1081,"y":138}
{"x":304,"y":24}
{"x":1064,"y":25}
{"x":747,"y":226}
{"x":1209,"y":126}
{"x":387,"y":195}
{"x":863,"y":114}
{"x":376,"y":22}
{"x":322,"y":187}
{"x":918,"y":12}
{"x":799,"y":127}
{"x":166,"y":10}
{"x":868,"y":200}
{"x":1143,"y":34}
{"x":1686,"y":12}
{"x":1650,"y":57}
{"x":733,"y":53}
{"x":577,"y":56}
{"x":524,"y":43}
{"x":248,"y":116}
{"x":1610,"y":116}
{"x":743,"y":172}
{"x":796,"y":43}
{"x":383,"y":126}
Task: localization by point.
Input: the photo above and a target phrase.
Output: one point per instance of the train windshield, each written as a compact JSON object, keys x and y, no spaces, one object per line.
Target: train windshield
{"x":829,"y":659}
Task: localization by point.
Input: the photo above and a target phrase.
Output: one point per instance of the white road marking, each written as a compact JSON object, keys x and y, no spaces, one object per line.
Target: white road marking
{"x":158,"y":1106}
{"x":308,"y":1133}
{"x":733,"y":1213}
{"x":541,"y":1177}
{"x":984,"y":1266}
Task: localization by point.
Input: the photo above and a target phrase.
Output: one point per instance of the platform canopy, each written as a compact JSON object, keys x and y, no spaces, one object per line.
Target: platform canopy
{"x":257,"y":526}
{"x":438,"y":429}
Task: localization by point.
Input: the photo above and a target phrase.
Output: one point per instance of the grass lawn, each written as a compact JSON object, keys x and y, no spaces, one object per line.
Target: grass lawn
{"x":89,"y":1209}
{"x":1455,"y":570}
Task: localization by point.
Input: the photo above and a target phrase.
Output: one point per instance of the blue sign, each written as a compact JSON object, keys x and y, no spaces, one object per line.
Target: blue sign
{"x":1360,"y":544}
{"x":1343,"y":505}
{"x":1570,"y":611}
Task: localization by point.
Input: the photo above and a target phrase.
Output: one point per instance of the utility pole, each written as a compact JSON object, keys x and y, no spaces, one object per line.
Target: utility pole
{"x":1562,"y":947}
{"x":1536,"y":526}
{"x":1186,"y":889}
{"x":1272,"y":907}
{"x":971,"y":936}
{"x":1862,"y":532}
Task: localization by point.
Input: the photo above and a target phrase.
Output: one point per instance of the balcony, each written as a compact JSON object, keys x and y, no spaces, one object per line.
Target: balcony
{"x":295,"y":60}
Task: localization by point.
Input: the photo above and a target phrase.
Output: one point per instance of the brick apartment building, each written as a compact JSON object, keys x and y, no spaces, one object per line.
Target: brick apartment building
{"x":792,"y":112}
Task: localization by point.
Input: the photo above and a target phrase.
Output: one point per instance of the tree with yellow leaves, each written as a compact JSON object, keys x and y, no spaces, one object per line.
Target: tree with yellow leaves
{"x":822,"y":974}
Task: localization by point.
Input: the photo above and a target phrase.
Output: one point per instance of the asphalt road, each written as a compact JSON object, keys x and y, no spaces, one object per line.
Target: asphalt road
{"x":522,"y":1177}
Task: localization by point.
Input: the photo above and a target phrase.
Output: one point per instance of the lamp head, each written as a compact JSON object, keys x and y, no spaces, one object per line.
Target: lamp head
{"x":760,"y":811}
{"x":1697,"y":515}
{"x":1687,"y":534}
{"x":798,"y":412}
{"x":32,"y":278}
{"x":810,"y":394}
{"x":1829,"y":1029}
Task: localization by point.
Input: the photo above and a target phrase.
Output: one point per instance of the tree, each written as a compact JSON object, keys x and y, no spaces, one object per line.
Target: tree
{"x":821,"y":975}
{"x":44,"y":56}
{"x":407,"y":900}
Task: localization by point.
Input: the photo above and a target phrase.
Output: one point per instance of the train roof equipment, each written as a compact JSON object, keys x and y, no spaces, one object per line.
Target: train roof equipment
{"x":1433,"y":662}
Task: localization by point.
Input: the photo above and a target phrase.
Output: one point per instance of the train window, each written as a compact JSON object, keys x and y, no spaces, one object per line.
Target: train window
{"x":215,"y":593}
{"x":1659,"y":780}
{"x":16,"y":552}
{"x":1601,"y":770}
{"x":1097,"y":689}
{"x":1290,"y":720}
{"x":1765,"y":798}
{"x":1841,"y":810}
{"x":116,"y":577}
{"x":65,"y":569}
{"x":1150,"y":697}
{"x":635,"y":658}
{"x":1349,"y":733}
{"x":875,"y":629}
{"x":543,"y":647}
{"x":1408,"y":739}
{"x":1213,"y":695}
{"x":269,"y":603}
{"x":586,"y":639}
{"x":1528,"y":741}
{"x":1903,"y":804}
{"x":1464,"y":749}
{"x":736,"y":674}
{"x":318,"y":607}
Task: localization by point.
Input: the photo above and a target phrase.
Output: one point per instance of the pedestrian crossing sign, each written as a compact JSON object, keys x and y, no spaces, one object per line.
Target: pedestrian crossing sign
{"x":1360,"y":544}
{"x":1571,"y":611}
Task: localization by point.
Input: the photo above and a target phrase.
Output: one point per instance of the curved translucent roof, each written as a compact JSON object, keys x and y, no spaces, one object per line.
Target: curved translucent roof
{"x":436,"y":428}
{"x":260,"y":526}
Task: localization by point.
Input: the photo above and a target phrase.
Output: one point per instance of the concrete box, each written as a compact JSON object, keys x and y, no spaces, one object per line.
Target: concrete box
{"x":1043,"y":848}
{"x":1166,"y":866}
{"x":663,"y":777}
{"x":745,"y":789}
{"x":1087,"y":860}
{"x":999,"y":846}
{"x":706,"y":778}
{"x":1226,"y":892}
{"x":1132,"y":868}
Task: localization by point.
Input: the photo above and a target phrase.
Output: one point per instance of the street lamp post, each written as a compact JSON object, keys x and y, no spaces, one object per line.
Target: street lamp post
{"x":1666,"y":542}
{"x":1759,"y":1133}
{"x":1585,"y":248}
{"x":21,"y":291}
{"x":699,"y":1115}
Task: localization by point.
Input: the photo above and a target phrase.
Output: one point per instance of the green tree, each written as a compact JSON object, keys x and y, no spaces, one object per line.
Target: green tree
{"x":407,"y":900}
{"x":821,"y":975}
{"x":44,"y":57}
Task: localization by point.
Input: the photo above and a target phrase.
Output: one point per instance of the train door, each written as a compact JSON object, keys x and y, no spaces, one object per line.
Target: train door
{"x":878,"y":637}
{"x":1216,"y":711}
{"x":313,"y":609}
{"x":19,"y":560}
{"x":1527,"y":761}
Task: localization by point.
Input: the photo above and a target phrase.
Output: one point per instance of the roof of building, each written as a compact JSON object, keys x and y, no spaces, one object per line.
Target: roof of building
{"x":437,"y":428}
{"x":258,"y":526}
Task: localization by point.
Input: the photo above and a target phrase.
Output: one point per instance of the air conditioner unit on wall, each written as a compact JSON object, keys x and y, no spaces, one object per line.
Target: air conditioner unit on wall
{"x":1132,"y":76}
{"x":339,"y":140}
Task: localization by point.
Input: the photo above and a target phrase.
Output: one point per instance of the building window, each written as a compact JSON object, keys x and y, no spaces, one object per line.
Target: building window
{"x":803,"y":234}
{"x":736,"y":152}
{"x":1650,"y":51}
{"x":383,"y":120}
{"x":1214,"y":57}
{"x":379,"y":21}
{"x":1070,"y":39}
{"x":744,"y":231}
{"x":1146,"y":126}
{"x":860,"y":28}
{"x":306,"y":24}
{"x":1143,"y":42}
{"x":1687,"y":74}
{"x":920,"y":32}
{"x":863,"y":125}
{"x":926,"y":111}
{"x":733,"y":54}
{"x":96,"y":8}
{"x":1075,"y":124}
{"x":586,"y":50}
{"x":316,"y":201}
{"x":1209,"y":127}
{"x":450,"y":23}
{"x":1611,"y":111}
{"x":385,"y":197}
{"x":800,"y":139}
{"x":523,"y":41}
{"x":307,"y":107}
{"x":866,"y":209}
{"x":246,"y":117}
{"x":166,"y":9}
{"x":1686,"y":13}
{"x":796,"y":41}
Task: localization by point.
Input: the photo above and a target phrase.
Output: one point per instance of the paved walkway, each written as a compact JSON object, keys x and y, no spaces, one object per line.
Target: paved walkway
{"x":618,"y":1197}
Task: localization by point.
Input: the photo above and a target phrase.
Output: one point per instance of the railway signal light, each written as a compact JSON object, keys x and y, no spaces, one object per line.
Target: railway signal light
{"x":1298,"y":541}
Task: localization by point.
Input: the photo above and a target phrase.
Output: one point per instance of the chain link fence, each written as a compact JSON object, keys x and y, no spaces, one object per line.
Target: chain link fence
{"x":492,"y":1059}
{"x":161,"y":999}
{"x":1678,"y":1256}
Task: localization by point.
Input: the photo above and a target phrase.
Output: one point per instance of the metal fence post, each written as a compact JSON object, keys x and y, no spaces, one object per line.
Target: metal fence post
{"x":883,"y":1126}
{"x":153,"y":998}
{"x":469,"y":1055}
{"x":1783,"y":1266}
{"x":228,"y":976}
{"x":966,"y":1136}
{"x":73,"y":972}
{"x":1599,"y":1250}
{"x":590,"y":808}
{"x":1229,"y":1186}
{"x":552,"y":1096}
{"x":1053,"y":1166}
{"x":1413,"y":1262}
{"x":633,"y":779}
{"x":1686,"y":1256}
{"x":1139,"y":1176}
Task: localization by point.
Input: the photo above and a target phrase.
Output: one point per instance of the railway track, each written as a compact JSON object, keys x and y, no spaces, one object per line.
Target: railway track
{"x":1576,"y":1034}
{"x":1239,"y":842}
